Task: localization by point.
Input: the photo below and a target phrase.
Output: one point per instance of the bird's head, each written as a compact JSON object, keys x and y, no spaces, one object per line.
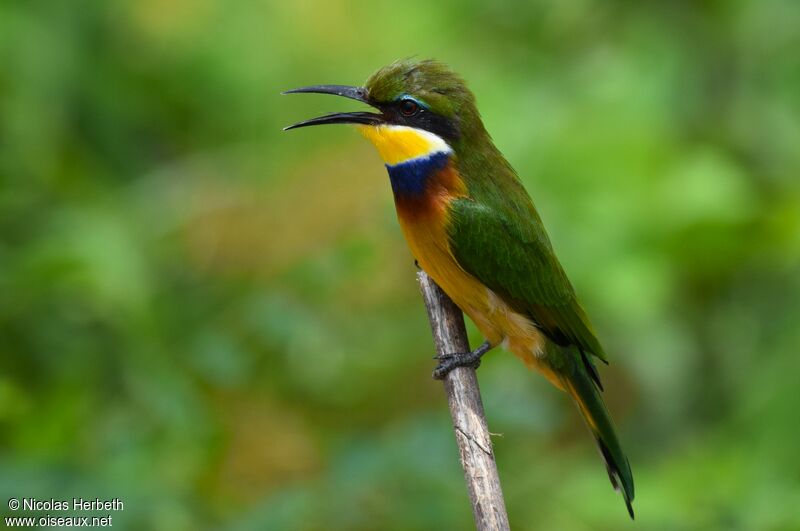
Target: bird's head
{"x":423,"y":107}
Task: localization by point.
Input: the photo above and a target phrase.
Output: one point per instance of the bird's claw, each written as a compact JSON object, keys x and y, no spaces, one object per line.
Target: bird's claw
{"x":448,"y":362}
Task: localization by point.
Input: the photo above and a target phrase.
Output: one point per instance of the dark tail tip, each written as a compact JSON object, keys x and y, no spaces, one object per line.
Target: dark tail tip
{"x":620,"y":482}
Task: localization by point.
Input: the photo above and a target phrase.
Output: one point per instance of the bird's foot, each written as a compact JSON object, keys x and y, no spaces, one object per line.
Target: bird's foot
{"x":448,"y":362}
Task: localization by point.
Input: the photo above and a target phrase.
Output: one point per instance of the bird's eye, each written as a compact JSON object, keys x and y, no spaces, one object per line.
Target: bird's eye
{"x":408,"y":107}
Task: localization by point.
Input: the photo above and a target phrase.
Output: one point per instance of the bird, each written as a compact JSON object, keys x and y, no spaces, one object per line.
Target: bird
{"x":473,"y":228}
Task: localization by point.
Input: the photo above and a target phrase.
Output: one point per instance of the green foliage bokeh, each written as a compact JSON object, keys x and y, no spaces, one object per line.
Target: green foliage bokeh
{"x":217,"y":322}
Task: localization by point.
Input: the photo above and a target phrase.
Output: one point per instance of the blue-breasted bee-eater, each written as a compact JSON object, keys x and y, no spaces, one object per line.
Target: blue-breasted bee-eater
{"x":473,"y":228}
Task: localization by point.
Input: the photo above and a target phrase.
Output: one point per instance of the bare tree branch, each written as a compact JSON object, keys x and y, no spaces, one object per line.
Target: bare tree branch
{"x":466,"y":410}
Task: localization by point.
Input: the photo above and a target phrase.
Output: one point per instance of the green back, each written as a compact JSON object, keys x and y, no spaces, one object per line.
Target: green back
{"x":497,"y":236}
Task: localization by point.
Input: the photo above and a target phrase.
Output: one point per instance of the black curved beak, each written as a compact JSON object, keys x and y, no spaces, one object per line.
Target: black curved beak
{"x":354,"y":93}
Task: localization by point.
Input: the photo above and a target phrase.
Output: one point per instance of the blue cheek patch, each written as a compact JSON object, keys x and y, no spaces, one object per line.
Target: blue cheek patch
{"x":411,"y":177}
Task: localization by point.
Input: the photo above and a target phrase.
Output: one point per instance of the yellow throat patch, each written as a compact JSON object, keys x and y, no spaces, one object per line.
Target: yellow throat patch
{"x":399,"y":143}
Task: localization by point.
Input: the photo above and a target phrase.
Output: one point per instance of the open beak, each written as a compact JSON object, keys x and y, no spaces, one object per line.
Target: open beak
{"x":354,"y":93}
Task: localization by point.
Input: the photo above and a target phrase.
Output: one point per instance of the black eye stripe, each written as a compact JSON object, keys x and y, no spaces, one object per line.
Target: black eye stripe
{"x":407,"y":111}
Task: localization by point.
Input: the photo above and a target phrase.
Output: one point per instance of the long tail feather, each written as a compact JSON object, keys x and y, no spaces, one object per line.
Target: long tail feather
{"x":582,"y":383}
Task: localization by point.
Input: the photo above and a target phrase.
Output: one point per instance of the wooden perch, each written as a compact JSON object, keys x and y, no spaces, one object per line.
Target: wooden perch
{"x":466,"y":410}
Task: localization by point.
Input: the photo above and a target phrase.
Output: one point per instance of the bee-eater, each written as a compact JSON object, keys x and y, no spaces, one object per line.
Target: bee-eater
{"x":473,"y":228}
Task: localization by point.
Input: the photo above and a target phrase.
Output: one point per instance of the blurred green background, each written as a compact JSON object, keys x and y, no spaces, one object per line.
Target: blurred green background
{"x":218,"y":323}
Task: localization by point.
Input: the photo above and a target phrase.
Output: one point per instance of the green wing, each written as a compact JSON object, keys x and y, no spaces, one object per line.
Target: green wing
{"x":507,"y":249}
